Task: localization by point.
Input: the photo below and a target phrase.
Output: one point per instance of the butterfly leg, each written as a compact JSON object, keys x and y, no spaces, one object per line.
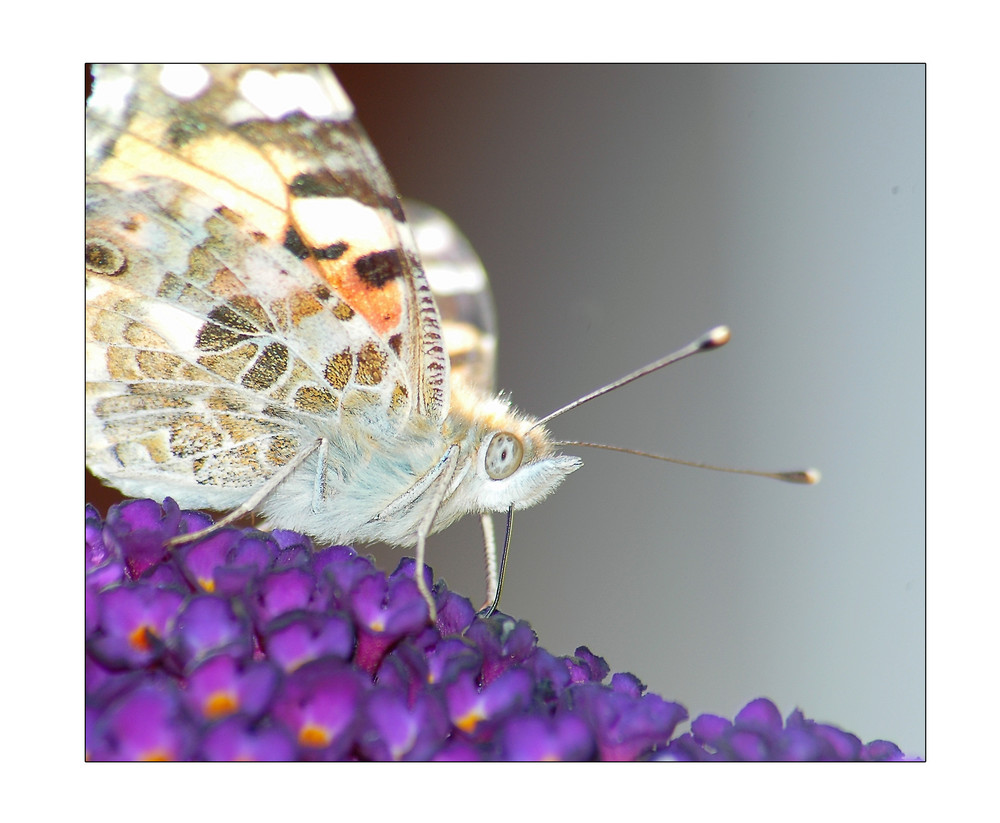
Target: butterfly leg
{"x":496,"y":585}
{"x":490,"y":556}
{"x":319,"y":484}
{"x":253,"y":501}
{"x":438,"y":491}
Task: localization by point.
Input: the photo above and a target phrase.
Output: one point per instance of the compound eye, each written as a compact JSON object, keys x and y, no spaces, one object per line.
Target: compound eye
{"x":503,"y":455}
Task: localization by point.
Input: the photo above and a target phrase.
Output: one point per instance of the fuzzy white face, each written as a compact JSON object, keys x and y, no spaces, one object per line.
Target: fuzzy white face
{"x":508,"y":472}
{"x":507,"y":458}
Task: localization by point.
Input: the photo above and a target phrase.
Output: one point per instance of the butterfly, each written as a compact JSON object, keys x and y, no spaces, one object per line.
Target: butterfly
{"x":271,"y":329}
{"x":265,"y":333}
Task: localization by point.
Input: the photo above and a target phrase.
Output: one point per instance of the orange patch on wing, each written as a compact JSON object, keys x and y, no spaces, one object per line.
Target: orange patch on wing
{"x":382,"y":306}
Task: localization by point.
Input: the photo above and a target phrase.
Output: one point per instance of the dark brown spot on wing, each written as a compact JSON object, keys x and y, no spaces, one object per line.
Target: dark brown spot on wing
{"x":379,"y":267}
{"x":315,"y":400}
{"x":105,"y":258}
{"x":224,"y":330}
{"x":342,"y":311}
{"x":371,"y":365}
{"x":268,"y":368}
{"x":190,"y":434}
{"x":229,"y":364}
{"x":338,"y":370}
{"x":296,"y":245}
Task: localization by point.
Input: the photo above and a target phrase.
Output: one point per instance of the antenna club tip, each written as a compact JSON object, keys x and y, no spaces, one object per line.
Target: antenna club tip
{"x":807,"y":477}
{"x":718,"y":336}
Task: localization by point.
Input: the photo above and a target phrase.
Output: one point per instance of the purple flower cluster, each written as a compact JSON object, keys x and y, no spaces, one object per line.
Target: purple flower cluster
{"x":252,"y":646}
{"x":758,"y":733}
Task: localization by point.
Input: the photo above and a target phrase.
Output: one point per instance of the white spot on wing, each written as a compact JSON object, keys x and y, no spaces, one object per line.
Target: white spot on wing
{"x":176,"y":326}
{"x":110,"y":91}
{"x":326,"y":220}
{"x":276,"y":95}
{"x":184,"y":81}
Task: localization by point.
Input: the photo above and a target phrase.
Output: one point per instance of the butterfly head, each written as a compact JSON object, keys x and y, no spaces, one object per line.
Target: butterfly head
{"x":514,"y":460}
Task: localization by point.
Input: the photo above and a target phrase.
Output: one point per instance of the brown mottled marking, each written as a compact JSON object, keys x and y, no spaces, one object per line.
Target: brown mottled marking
{"x":225,"y":284}
{"x":229,"y":215}
{"x":396,"y":343}
{"x":224,"y":330}
{"x":159,"y":365}
{"x":230,"y":364}
{"x":301,"y":305}
{"x":130,"y":428}
{"x":171,"y":287}
{"x":121,"y":364}
{"x":158,"y":390}
{"x":195,"y":298}
{"x":268,"y":368}
{"x":242,"y":428}
{"x":298,"y":375}
{"x":190,"y":434}
{"x":371,"y":365}
{"x":143,"y":337}
{"x":338,"y":370}
{"x":106,"y":326}
{"x":218,"y":469}
{"x":280,"y":311}
{"x":128,"y":404}
{"x":342,"y":311}
{"x":278,"y":412}
{"x":103,"y":257}
{"x":399,"y":395}
{"x":157,"y":446}
{"x":191,"y":373}
{"x":225,"y":400}
{"x":360,"y":402}
{"x":280,"y":450}
{"x":315,"y":400}
{"x":251,"y":307}
{"x":202,"y":265}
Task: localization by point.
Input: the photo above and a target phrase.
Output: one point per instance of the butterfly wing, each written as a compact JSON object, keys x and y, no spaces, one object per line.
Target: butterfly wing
{"x":462,"y":291}
{"x":251,"y":280}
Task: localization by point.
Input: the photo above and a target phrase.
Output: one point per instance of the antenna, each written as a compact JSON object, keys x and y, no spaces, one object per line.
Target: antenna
{"x":712,"y":339}
{"x":807,"y":477}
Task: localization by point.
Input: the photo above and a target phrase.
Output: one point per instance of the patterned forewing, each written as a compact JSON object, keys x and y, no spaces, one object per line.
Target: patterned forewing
{"x":238,"y":303}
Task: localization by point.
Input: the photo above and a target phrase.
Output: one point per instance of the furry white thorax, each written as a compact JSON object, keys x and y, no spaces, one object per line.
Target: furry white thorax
{"x":379,"y":490}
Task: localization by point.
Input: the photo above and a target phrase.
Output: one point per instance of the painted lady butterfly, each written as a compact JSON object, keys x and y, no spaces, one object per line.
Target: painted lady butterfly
{"x":263,"y":336}
{"x":261,"y":333}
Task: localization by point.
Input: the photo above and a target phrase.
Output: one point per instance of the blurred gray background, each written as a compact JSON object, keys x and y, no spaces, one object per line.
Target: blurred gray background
{"x":623,"y":210}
